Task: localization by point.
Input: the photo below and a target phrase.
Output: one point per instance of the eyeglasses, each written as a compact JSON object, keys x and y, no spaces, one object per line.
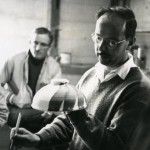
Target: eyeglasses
{"x":110,"y":43}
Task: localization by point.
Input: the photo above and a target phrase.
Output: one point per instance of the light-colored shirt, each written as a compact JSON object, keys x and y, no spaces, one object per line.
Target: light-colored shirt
{"x":122,"y":71}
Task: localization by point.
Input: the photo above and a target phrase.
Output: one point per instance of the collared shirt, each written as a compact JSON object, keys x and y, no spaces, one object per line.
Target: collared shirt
{"x":122,"y":71}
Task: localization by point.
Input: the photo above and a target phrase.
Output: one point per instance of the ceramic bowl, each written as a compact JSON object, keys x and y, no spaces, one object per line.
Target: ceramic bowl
{"x":59,"y":95}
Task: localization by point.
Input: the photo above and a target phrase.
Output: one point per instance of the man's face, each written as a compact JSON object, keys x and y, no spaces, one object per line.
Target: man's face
{"x":109,"y":29}
{"x":39,"y":45}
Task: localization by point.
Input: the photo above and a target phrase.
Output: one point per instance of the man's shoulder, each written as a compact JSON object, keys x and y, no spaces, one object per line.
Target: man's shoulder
{"x":137,"y":74}
{"x":137,"y":77}
{"x":52,"y":61}
{"x":50,"y":58}
{"x":90,"y":71}
{"x":88,"y":74}
{"x":19,"y":55}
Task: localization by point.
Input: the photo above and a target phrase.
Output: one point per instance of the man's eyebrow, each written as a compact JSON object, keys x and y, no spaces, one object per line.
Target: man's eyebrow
{"x":113,"y":38}
{"x":98,"y":34}
{"x":39,"y":42}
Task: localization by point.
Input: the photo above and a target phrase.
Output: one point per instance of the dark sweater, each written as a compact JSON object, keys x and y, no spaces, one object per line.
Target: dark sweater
{"x":35,"y":66}
{"x":110,"y":118}
{"x":141,"y":140}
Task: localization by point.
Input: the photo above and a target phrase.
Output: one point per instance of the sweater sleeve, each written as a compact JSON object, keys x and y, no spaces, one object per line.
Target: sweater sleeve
{"x":59,"y":132}
{"x":116,"y":133}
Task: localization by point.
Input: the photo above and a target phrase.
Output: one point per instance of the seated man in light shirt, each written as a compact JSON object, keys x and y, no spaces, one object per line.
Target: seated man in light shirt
{"x":25,"y":73}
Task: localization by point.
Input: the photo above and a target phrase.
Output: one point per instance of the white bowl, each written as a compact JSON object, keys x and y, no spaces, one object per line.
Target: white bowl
{"x":59,"y":95}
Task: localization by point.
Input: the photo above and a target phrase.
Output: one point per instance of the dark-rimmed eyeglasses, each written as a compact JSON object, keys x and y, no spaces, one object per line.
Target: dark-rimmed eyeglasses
{"x":110,"y":43}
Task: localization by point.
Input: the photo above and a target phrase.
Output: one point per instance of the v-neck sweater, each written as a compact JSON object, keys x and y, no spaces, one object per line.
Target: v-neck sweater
{"x":110,"y":118}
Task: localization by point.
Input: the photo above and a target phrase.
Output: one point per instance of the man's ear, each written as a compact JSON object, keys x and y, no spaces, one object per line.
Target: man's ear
{"x":132,"y":41}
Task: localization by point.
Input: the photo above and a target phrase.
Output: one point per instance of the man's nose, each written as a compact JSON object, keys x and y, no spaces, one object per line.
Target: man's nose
{"x":101,"y":45}
{"x":38,"y":47}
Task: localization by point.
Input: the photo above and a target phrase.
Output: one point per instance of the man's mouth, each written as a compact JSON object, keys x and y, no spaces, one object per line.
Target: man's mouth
{"x":38,"y":53}
{"x":102,"y":55}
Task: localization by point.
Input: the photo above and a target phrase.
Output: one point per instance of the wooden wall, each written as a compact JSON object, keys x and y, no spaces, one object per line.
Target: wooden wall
{"x":77,"y":22}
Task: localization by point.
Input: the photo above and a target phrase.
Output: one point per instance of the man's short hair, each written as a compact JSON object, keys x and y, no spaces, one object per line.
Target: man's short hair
{"x":43,"y":30}
{"x":124,"y":13}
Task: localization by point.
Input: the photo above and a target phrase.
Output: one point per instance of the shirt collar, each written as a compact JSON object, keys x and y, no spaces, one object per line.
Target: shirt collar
{"x":122,"y":71}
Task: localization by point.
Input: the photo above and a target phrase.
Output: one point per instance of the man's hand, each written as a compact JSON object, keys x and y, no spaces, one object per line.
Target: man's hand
{"x":24,"y":138}
{"x":49,"y":116}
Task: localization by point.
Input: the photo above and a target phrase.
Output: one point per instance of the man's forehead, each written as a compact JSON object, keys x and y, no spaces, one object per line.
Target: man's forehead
{"x":109,"y":25}
{"x":110,"y":22}
{"x":42,"y":37}
{"x":110,"y":19}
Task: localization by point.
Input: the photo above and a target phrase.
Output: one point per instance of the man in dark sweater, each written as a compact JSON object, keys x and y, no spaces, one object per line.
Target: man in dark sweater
{"x":116,"y":91}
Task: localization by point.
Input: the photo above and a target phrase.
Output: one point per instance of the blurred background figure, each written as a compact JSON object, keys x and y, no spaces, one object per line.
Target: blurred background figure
{"x":25,"y":73}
